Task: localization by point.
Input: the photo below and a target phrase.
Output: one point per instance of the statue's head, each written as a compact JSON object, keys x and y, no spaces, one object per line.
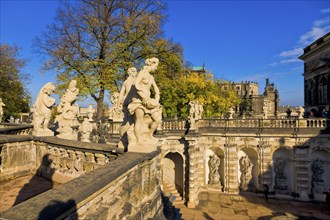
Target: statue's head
{"x":132,"y":71}
{"x":48,"y":88}
{"x":152,"y":63}
{"x":73,"y":84}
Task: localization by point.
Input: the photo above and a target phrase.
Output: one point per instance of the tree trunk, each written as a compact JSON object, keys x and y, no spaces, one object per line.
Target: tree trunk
{"x":99,"y":108}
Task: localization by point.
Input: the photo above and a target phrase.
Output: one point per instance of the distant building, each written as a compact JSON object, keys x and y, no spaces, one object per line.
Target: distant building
{"x":316,"y":59}
{"x":252,"y":103}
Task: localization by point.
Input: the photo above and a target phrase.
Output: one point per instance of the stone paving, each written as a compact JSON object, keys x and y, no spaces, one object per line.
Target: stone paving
{"x":212,"y":206}
{"x":20,"y":189}
{"x":215,"y":205}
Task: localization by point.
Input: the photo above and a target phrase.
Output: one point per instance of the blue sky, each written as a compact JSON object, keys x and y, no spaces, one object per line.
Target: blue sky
{"x":236,"y":40}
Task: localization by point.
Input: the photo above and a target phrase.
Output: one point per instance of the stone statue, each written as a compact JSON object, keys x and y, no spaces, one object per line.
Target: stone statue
{"x":90,"y":112}
{"x":192,"y":118}
{"x":11,"y":119}
{"x":115,"y":111}
{"x":86,"y":129}
{"x":265,"y":111}
{"x":231,"y":113}
{"x":147,"y":110}
{"x":42,"y":111}
{"x":200,"y":110}
{"x":126,"y":95}
{"x":246,"y":172}
{"x":1,"y":109}
{"x":214,"y":176}
{"x":317,"y":180}
{"x":301,"y":112}
{"x":280,"y":175}
{"x":68,"y":113}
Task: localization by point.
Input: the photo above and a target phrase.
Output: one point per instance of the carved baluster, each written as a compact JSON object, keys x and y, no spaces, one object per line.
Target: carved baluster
{"x":78,"y":163}
{"x":71,"y":159}
{"x":90,"y":161}
{"x":100,"y":159}
{"x":63,"y":156}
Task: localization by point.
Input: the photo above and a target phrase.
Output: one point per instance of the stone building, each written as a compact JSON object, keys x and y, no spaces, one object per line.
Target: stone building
{"x":254,"y":104}
{"x":316,"y":74}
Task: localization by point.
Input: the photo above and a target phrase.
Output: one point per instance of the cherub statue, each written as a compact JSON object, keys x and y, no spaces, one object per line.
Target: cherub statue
{"x":43,"y":110}
{"x":68,"y":112}
{"x":86,"y":129}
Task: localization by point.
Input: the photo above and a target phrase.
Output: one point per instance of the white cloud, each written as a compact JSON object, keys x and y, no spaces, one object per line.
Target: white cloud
{"x":291,"y":60}
{"x":322,"y":22}
{"x":319,"y":28}
{"x":293,"y":52}
{"x":313,"y":35}
{"x":325,"y":11}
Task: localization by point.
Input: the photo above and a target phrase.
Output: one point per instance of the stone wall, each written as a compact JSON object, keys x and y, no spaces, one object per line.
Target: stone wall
{"x":302,"y":144}
{"x":127,"y":188}
{"x":56,"y":159}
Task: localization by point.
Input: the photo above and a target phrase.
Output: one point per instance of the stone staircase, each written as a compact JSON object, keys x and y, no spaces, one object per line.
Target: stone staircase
{"x":173,"y":201}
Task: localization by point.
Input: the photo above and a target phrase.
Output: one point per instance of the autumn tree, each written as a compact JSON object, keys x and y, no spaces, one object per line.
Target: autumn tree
{"x":193,"y":86}
{"x":96,"y":41}
{"x":13,"y":81}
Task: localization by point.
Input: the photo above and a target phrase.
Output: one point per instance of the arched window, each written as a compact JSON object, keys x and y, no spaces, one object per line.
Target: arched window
{"x":323,"y":90}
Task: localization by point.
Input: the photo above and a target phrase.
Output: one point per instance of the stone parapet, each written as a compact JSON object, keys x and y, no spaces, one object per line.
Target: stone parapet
{"x":128,"y":188}
{"x":56,"y":159}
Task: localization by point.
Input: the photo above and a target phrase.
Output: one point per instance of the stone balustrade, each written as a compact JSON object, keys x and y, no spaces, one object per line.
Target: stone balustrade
{"x":127,"y":188}
{"x":15,"y":129}
{"x":54,"y":158}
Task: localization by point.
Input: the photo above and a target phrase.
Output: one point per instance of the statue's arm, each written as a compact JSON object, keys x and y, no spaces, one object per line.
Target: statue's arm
{"x":121,"y":95}
{"x":156,"y":89}
{"x":48,"y":101}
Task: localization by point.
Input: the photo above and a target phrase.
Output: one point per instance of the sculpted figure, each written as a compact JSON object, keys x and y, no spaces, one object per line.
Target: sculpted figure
{"x":90,"y":112}
{"x":200,"y":111}
{"x":68,"y":112}
{"x":86,"y":128}
{"x":192,"y":118}
{"x":280,"y":175}
{"x":265,"y":111}
{"x":115,"y":112}
{"x":317,"y":180}
{"x":246,"y":172}
{"x":43,"y":110}
{"x":147,"y":110}
{"x":1,"y":109}
{"x":231,"y":112}
{"x":301,"y":112}
{"x":214,"y":176}
{"x":127,"y":94}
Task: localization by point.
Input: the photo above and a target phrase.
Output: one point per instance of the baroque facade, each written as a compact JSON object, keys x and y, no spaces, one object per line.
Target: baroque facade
{"x":254,"y":104}
{"x":295,"y":161}
{"x":316,"y":74}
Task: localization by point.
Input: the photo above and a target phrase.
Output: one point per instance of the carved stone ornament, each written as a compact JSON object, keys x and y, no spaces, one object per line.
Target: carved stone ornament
{"x":42,"y":111}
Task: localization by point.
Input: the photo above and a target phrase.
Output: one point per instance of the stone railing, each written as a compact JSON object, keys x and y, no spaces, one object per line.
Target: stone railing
{"x":264,"y":123}
{"x":127,"y":188}
{"x":15,"y":129}
{"x":53,"y":158}
{"x":176,"y":125}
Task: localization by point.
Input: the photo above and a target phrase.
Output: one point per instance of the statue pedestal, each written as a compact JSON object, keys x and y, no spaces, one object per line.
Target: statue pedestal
{"x":42,"y":133}
{"x":143,"y":147}
{"x":73,"y":137}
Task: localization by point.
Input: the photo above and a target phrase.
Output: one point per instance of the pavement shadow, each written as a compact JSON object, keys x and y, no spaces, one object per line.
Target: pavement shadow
{"x":38,"y":183}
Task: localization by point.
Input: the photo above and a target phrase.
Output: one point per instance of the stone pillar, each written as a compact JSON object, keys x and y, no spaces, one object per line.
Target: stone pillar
{"x":301,"y":174}
{"x":231,"y":169}
{"x":265,"y":165}
{"x":193,"y":181}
